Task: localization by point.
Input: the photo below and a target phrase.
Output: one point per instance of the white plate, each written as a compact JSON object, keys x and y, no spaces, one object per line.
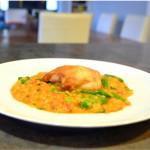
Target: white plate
{"x":136,"y":79}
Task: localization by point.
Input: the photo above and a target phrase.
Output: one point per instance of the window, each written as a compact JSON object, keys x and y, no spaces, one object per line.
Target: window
{"x":4,"y":4}
{"x":51,"y":5}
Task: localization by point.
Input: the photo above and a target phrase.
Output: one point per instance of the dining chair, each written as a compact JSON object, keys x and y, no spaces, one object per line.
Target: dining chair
{"x":64,"y":28}
{"x":136,"y":28}
{"x":107,"y":23}
{"x":16,"y":16}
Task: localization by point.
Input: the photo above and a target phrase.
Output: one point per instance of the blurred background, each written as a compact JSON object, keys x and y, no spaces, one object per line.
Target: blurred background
{"x":20,"y":21}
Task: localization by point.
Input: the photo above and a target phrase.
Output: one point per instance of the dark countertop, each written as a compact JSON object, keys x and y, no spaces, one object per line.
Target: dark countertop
{"x":19,"y":135}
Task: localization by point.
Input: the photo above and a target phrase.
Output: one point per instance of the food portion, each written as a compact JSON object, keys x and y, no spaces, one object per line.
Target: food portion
{"x":74,"y":77}
{"x":73,"y":89}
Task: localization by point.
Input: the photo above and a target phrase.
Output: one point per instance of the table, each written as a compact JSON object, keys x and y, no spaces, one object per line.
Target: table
{"x":19,"y":135}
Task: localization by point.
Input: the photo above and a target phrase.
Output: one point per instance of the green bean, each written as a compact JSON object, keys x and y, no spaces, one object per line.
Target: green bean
{"x":105,"y":82}
{"x":105,"y":94}
{"x":102,"y":92}
{"x":98,"y":92}
{"x":113,"y":76}
{"x":114,"y":95}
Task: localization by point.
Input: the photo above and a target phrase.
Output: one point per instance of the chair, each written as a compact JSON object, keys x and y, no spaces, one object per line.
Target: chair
{"x":16,"y":16}
{"x":107,"y":23}
{"x":64,"y":28}
{"x":136,"y":28}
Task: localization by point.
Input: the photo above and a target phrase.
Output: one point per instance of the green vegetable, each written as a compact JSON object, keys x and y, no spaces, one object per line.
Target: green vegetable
{"x":113,"y":76}
{"x":105,"y":82}
{"x":114,"y":95}
{"x":102,"y":92}
{"x":104,"y":95}
{"x":23,"y":80}
{"x":103,"y":100}
{"x":85,"y":104}
{"x":98,"y":92}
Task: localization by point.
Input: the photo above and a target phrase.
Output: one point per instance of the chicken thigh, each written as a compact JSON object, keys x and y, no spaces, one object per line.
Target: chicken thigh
{"x":74,"y":77}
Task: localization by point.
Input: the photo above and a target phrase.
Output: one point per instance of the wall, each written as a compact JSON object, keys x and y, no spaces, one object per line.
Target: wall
{"x":64,"y":6}
{"x":121,"y":8}
{"x":148,"y":8}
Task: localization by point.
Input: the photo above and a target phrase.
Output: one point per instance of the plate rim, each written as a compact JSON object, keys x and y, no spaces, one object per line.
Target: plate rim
{"x":82,"y":59}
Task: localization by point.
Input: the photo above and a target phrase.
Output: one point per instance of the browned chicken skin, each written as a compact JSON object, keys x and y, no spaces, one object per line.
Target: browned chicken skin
{"x":74,"y":77}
